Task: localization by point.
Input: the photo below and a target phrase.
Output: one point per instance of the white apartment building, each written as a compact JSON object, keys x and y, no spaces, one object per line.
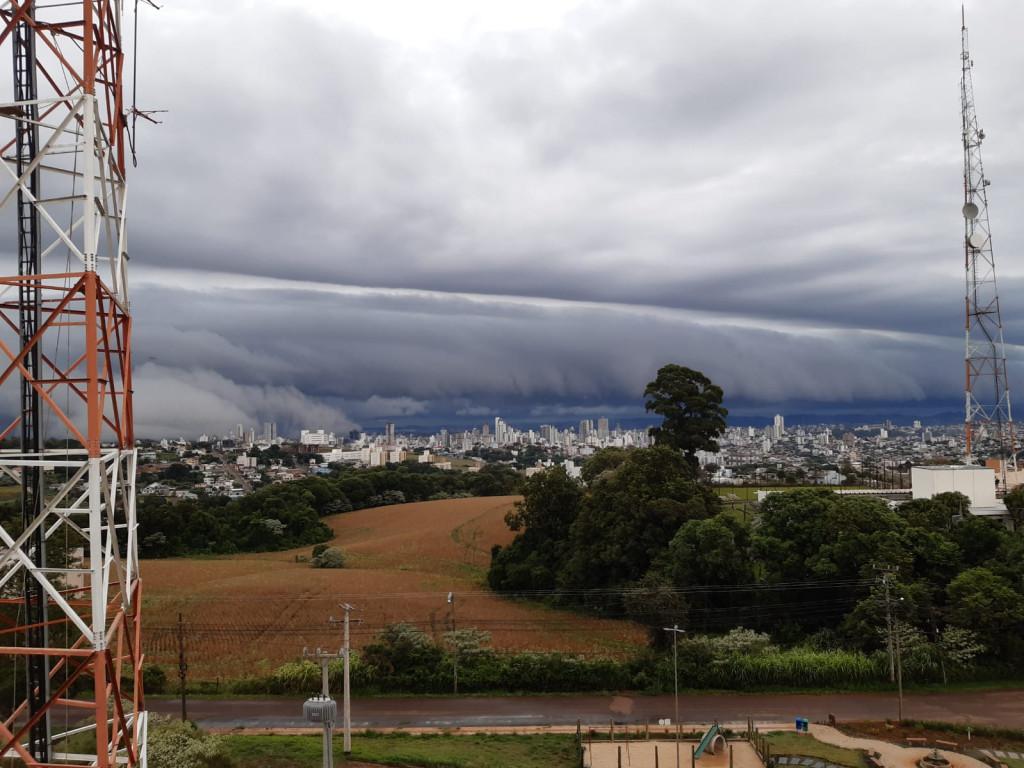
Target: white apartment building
{"x":317,"y":437}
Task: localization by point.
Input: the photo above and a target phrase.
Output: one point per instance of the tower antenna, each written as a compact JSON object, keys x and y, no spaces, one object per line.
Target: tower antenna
{"x":69,"y":567}
{"x":987,"y":389}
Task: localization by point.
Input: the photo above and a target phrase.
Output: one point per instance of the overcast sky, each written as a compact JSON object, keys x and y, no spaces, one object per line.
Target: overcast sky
{"x":432,"y":212}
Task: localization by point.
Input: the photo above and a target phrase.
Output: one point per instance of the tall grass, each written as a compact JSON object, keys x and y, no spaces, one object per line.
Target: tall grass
{"x":800,"y":667}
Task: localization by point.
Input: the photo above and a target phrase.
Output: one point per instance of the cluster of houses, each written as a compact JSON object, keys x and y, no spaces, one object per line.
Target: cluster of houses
{"x":218,"y":474}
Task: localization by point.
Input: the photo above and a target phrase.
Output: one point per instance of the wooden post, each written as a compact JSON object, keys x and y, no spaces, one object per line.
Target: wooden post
{"x":611,"y":730}
{"x":693,"y":756}
{"x":620,"y":757}
{"x":730,"y":756}
{"x":656,"y":755}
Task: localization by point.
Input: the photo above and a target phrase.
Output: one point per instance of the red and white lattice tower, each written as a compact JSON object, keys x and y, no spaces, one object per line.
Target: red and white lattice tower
{"x":987,"y":388}
{"x":69,"y":583}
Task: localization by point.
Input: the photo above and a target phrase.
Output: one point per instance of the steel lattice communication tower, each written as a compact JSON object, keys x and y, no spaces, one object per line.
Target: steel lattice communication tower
{"x":987,"y":389}
{"x":70,"y":593}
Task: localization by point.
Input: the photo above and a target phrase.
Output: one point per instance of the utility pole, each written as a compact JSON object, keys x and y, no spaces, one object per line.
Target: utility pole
{"x":899,"y":671}
{"x":455,"y":646}
{"x":676,"y":632}
{"x":346,"y":693}
{"x":886,"y":572}
{"x":182,"y":666}
{"x":323,"y":709}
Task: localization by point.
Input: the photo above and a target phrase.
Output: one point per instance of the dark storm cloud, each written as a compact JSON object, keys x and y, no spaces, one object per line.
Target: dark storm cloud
{"x":770,"y":168}
{"x":374,"y":354}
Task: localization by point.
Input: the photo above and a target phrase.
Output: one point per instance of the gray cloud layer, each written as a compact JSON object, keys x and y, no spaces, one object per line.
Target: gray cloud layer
{"x":768,"y":191}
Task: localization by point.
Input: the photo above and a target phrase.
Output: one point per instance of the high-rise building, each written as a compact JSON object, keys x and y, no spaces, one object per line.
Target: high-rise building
{"x":389,"y":434}
{"x":602,"y":428}
{"x":586,"y":427}
{"x":502,"y":433}
{"x":316,"y":437}
{"x":779,"y":427}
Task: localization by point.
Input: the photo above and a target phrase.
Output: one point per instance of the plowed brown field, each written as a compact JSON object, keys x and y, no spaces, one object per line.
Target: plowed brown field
{"x":247,"y":614}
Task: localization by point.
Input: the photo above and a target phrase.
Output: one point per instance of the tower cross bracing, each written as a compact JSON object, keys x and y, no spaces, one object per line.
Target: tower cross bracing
{"x":69,"y":581}
{"x":986,"y":387}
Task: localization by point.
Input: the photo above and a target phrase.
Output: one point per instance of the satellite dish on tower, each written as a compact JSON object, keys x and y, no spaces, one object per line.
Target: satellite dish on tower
{"x":977,"y":240}
{"x":970,"y":211}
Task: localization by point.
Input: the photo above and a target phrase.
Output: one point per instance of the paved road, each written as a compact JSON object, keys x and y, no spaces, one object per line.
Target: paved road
{"x":1004,"y":708}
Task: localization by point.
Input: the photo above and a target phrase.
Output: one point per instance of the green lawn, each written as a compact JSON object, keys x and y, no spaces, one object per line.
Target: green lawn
{"x":1013,"y":763}
{"x":431,"y":751}
{"x":789,"y":743}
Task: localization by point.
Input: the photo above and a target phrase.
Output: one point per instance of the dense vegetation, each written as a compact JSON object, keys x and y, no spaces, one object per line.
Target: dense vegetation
{"x":289,"y":515}
{"x":643,"y":537}
{"x":404,"y":659}
{"x":805,"y":570}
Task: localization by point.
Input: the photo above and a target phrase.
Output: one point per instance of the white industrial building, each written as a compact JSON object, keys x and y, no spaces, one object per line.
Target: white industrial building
{"x":976,"y":483}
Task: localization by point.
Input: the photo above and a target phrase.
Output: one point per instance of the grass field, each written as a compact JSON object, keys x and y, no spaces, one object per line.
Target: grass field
{"x":478,"y":751}
{"x":247,"y":614}
{"x":749,"y":493}
{"x":789,"y":743}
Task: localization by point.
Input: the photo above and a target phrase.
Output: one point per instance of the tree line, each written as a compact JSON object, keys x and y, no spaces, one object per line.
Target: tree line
{"x":289,"y":515}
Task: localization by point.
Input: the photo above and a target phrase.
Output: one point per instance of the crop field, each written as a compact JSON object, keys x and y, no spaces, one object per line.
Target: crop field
{"x":247,"y":614}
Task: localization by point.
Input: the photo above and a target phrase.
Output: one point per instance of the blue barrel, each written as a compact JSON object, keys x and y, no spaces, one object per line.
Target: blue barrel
{"x":799,"y":724}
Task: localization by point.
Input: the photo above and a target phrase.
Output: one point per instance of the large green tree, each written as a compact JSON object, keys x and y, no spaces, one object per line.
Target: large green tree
{"x":542,"y":521}
{"x":690,"y":405}
{"x":1015,"y":506}
{"x":631,"y":514}
{"x":982,"y":601}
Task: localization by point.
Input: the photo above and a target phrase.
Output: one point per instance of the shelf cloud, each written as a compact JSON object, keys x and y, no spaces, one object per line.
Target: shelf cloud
{"x":540,"y":208}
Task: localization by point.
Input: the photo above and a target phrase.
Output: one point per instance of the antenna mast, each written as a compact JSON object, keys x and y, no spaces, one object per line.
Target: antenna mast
{"x":70,"y":593}
{"x":987,"y":389}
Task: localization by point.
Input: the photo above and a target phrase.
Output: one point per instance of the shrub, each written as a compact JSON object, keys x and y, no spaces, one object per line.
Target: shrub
{"x":174,"y":744}
{"x":154,"y":679}
{"x":332,"y":557}
{"x":319,"y":549}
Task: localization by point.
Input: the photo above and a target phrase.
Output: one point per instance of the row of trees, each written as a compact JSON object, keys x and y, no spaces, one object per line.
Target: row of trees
{"x":289,"y":515}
